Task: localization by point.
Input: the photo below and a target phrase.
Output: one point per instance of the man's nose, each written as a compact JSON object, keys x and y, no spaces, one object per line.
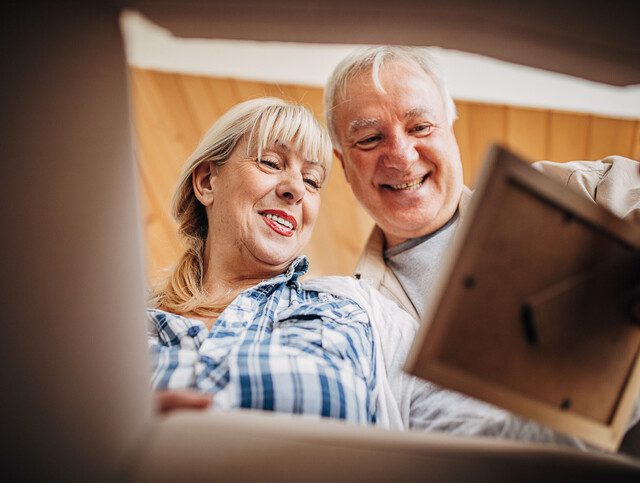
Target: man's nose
{"x":401,"y":152}
{"x":291,"y":188}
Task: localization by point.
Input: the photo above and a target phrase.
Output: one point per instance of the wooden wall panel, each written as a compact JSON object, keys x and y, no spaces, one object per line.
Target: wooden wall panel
{"x":171,"y":112}
{"x":527,"y":132}
{"x":200,"y":99}
{"x":607,"y":136}
{"x":487,"y":124}
{"x":568,"y":137}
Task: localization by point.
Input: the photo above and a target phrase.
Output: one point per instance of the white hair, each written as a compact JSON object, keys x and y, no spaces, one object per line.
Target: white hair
{"x":372,"y":58}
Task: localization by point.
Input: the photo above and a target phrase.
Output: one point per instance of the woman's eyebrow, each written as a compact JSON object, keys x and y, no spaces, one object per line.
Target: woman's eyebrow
{"x":277,"y":146}
{"x":316,"y":164}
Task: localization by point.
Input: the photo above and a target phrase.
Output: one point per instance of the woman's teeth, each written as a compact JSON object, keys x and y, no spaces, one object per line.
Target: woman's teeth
{"x":282,"y":221}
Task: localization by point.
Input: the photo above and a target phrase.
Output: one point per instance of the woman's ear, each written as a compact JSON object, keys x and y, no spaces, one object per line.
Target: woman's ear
{"x":202,"y":179}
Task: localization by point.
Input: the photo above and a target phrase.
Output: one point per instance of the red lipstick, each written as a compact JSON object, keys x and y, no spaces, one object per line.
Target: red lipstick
{"x":278,"y":227}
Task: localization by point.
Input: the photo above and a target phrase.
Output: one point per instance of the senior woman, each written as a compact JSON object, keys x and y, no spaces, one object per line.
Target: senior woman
{"x":233,"y":319}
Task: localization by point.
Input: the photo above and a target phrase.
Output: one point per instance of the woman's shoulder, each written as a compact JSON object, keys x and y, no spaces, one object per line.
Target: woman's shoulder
{"x":343,"y":286}
{"x":366,"y":296}
{"x":348,"y":288}
{"x":159,"y":314}
{"x":162,"y":317}
{"x":335,"y":285}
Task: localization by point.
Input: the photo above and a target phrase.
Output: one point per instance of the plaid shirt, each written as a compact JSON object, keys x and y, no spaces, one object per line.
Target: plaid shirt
{"x":277,"y":347}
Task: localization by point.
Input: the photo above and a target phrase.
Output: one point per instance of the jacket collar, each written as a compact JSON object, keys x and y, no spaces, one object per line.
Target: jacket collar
{"x":372,"y":269}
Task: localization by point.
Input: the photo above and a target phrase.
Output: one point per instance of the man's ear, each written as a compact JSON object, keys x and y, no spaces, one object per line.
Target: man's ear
{"x":202,"y":180}
{"x":340,"y":157}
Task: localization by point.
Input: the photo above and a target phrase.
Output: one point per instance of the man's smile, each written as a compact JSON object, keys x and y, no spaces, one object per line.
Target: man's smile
{"x":412,"y":184}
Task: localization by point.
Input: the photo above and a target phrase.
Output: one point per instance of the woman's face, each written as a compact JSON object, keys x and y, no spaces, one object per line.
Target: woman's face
{"x":261,"y":210}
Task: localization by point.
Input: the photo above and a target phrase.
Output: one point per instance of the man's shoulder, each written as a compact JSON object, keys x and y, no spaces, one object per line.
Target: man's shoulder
{"x":372,"y":271}
{"x":371,"y":265}
{"x":465,"y":199}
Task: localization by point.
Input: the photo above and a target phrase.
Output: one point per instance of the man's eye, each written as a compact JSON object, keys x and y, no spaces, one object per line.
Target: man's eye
{"x":423,"y":128}
{"x":271,"y":163}
{"x":368,"y":141}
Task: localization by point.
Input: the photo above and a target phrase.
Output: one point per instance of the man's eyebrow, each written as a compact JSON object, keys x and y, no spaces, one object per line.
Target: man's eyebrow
{"x":417,"y":112}
{"x":358,"y":124}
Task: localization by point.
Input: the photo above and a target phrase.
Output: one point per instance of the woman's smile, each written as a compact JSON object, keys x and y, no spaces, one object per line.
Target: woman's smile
{"x":280,"y":222}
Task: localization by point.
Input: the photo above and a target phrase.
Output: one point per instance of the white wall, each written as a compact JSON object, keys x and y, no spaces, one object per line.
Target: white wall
{"x":471,"y":77}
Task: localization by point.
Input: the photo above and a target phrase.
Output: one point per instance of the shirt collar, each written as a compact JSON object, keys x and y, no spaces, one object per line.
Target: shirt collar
{"x":412,"y":242}
{"x":298,"y":268}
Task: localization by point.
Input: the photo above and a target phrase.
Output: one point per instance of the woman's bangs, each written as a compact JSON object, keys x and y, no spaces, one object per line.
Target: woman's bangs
{"x":295,"y":127}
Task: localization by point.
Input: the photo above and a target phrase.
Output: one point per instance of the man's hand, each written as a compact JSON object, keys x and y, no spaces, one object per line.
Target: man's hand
{"x":169,"y":400}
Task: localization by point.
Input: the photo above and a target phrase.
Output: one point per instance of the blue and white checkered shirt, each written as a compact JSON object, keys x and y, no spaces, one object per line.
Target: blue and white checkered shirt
{"x":277,"y":347}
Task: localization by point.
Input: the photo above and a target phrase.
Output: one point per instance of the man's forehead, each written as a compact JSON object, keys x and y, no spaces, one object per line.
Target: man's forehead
{"x":361,"y":92}
{"x":396,"y":71}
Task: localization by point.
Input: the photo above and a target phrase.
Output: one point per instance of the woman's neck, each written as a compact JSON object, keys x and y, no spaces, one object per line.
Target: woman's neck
{"x":223,"y":290}
{"x":226,"y":275}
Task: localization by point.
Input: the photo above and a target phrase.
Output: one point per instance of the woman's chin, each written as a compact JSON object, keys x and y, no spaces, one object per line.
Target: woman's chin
{"x":275,"y":251}
{"x":276,"y":258}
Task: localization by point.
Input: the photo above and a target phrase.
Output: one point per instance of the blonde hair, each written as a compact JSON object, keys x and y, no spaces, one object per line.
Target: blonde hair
{"x":372,"y":58}
{"x":265,"y":121}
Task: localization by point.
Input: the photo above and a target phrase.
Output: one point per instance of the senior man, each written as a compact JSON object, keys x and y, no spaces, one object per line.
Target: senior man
{"x":391,"y":118}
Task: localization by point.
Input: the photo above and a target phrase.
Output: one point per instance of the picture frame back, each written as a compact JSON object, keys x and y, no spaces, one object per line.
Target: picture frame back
{"x":537,"y":308}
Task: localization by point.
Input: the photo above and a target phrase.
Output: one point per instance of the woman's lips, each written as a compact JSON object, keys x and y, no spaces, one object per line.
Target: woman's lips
{"x":280,"y":222}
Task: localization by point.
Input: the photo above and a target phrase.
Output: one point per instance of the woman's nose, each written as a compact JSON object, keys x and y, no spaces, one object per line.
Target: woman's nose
{"x":291,"y":188}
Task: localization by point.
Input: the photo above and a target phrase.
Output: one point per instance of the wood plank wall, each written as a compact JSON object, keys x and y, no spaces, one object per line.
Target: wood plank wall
{"x":171,"y":111}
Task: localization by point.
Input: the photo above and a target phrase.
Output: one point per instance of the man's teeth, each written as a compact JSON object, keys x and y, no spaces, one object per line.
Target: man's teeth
{"x":282,"y":221}
{"x":408,"y":186}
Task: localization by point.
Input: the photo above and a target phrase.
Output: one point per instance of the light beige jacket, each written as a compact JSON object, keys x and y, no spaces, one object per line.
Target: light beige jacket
{"x":613,"y":183}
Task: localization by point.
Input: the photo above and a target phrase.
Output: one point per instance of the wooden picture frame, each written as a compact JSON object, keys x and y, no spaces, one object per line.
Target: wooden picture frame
{"x":537,"y":308}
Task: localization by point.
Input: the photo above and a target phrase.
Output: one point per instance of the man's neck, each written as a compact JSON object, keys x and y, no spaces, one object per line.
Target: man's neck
{"x":391,"y":240}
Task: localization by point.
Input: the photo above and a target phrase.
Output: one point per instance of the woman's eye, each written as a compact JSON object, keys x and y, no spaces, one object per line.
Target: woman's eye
{"x":271,"y":163}
{"x":313,"y":183}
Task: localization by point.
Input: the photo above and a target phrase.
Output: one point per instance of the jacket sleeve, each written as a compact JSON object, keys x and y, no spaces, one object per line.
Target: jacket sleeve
{"x":613,"y":182}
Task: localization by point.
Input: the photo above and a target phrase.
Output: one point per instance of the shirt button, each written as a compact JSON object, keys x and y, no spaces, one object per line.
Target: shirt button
{"x":193,"y":330}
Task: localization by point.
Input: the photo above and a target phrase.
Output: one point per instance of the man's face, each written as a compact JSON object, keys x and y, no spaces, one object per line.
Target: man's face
{"x":399,"y":152}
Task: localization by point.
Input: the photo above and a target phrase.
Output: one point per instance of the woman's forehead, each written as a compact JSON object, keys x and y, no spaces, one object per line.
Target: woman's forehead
{"x":291,"y":148}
